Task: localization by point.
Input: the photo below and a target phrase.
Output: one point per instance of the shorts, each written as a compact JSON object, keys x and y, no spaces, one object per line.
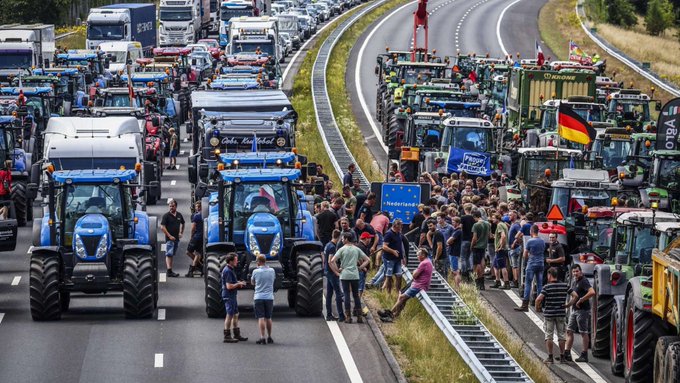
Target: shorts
{"x":173,"y":153}
{"x":411,"y":292}
{"x":478,"y":256}
{"x":579,"y":321}
{"x":515,"y":257}
{"x":453,"y":261}
{"x":231,"y":305}
{"x":392,"y":267}
{"x":195,"y":245}
{"x":171,"y":247}
{"x":263,"y":308}
{"x":552,"y":324}
{"x":500,"y":262}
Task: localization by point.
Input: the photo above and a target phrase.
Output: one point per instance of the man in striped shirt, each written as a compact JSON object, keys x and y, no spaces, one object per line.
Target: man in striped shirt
{"x":555,"y":295}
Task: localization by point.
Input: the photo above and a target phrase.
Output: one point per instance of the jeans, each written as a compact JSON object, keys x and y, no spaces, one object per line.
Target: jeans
{"x":465,"y":256}
{"x":533,"y":270}
{"x":379,"y":277}
{"x":352,"y":284}
{"x":362,"y":281}
{"x":333,"y":286}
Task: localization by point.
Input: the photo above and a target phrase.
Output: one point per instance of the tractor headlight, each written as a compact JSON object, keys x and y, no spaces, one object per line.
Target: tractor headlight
{"x":276,"y":245}
{"x":102,"y":247}
{"x":214,"y":141}
{"x":252,"y":241}
{"x":80,"y":248}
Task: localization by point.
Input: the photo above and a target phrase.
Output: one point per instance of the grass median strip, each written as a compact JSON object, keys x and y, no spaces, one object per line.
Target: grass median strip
{"x":340,"y":98}
{"x":558,"y":24}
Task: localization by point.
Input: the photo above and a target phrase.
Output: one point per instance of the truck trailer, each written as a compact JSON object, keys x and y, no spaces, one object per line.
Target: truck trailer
{"x":122,"y":22}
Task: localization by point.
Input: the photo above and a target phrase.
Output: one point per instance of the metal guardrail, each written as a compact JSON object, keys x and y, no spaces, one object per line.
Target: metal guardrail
{"x":61,"y":36}
{"x":480,"y":350}
{"x":629,"y":62}
{"x":337,"y":149}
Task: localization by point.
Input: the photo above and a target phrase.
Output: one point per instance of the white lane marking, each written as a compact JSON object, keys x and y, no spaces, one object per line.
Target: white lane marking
{"x":177,"y":167}
{"x":2,"y":315}
{"x":345,"y":354}
{"x":162,"y":277}
{"x":173,"y":183}
{"x":30,"y":250}
{"x":161,"y":314}
{"x":295,"y":56}
{"x":158,"y":361}
{"x":186,"y":140}
{"x":169,"y":200}
{"x":498,"y":26}
{"x":357,"y":77}
{"x":585,"y":367}
{"x":181,"y":152}
{"x":16,"y":280}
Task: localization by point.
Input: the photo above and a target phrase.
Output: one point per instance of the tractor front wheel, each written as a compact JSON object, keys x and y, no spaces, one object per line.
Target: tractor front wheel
{"x":640,"y":333}
{"x":138,"y":285}
{"x":214,"y":305}
{"x":616,"y":341}
{"x":601,"y":317}
{"x":308,"y":299}
{"x":44,"y":288}
{"x":19,"y":196}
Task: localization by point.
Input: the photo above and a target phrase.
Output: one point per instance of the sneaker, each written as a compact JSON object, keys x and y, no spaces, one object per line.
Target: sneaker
{"x":385,"y":313}
{"x":387,"y":319}
{"x":496,"y":285}
{"x":261,"y":341}
{"x":270,"y":340}
{"x":567,"y":356}
{"x":505,"y":286}
{"x":331,"y":318}
{"x":549,"y":360}
{"x":583,"y":358}
{"x":172,"y":274}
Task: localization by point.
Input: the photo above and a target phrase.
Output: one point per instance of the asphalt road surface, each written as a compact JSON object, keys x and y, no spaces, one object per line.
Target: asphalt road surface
{"x":95,"y":343}
{"x":468,"y":26}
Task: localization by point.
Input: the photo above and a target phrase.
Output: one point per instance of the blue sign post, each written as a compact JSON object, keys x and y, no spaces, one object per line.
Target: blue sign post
{"x":400,"y":200}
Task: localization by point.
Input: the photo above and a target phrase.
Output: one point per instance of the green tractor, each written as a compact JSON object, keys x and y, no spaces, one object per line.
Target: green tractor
{"x":664,"y":181}
{"x":634,"y":171}
{"x":630,"y":107}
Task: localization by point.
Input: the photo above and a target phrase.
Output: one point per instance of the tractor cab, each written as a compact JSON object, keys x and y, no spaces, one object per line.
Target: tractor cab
{"x":547,"y":133}
{"x":610,"y":149}
{"x":664,"y":181}
{"x":579,"y":188}
{"x":69,"y":86}
{"x":92,"y":63}
{"x":635,"y":170}
{"x":33,"y":105}
{"x":630,"y":107}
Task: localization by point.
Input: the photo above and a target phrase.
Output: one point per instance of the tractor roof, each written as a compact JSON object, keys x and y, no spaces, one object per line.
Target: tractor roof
{"x":609,"y":212}
{"x":468,"y":122}
{"x":255,"y":158}
{"x":6,"y":120}
{"x":27,"y":91}
{"x":55,"y":71}
{"x":77,"y":56}
{"x":92,"y":126}
{"x":549,"y":150}
{"x":146,"y":76}
{"x":646,"y":216}
{"x":260,"y":175}
{"x":94,"y":176}
{"x":666,"y":153}
{"x":664,"y":227}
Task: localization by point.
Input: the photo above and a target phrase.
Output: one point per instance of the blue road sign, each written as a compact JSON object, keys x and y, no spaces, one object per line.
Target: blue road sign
{"x":400,"y":200}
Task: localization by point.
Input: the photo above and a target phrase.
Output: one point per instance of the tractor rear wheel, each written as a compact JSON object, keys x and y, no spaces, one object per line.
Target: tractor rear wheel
{"x":214,"y":305}
{"x":21,"y":203}
{"x":44,"y":288}
{"x":616,"y":341}
{"x":660,"y":353}
{"x":640,"y":334}
{"x":672,"y":363}
{"x":395,"y":129}
{"x":308,"y":300}
{"x":601,"y":318}
{"x":138,"y":286}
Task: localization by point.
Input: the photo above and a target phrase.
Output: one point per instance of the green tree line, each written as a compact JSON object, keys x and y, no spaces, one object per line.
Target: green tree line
{"x":59,"y":12}
{"x":658,"y":15}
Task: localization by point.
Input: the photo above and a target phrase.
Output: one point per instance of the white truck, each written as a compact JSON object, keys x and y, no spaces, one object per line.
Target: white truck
{"x":248,"y":34}
{"x":183,"y":22}
{"x":290,"y":23}
{"x":124,"y":23}
{"x":76,"y":143}
{"x":24,"y":46}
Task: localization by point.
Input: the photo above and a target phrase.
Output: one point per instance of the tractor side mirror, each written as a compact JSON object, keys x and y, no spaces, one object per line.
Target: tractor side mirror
{"x":200,"y":191}
{"x":657,"y":106}
{"x":302,"y":159}
{"x":311,"y":169}
{"x":99,"y":102}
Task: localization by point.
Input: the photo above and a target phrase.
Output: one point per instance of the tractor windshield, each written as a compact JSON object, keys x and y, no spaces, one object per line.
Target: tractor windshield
{"x":534,"y":167}
{"x":613,"y":152}
{"x":119,"y":101}
{"x":636,"y":242}
{"x":571,"y":200}
{"x":6,"y":143}
{"x":77,"y":200}
{"x":668,"y":171}
{"x":600,"y":233}
{"x":630,"y":109}
{"x":250,"y":198}
{"x":418,"y":75}
{"x":468,"y":138}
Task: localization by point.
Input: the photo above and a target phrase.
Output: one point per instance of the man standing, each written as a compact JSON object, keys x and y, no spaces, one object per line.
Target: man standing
{"x":366,"y":211}
{"x":195,"y":247}
{"x":351,"y":259}
{"x":172,"y":225}
{"x":263,"y":299}
{"x":533,"y":253}
{"x":421,"y":282}
{"x":579,"y":320}
{"x":230,"y":288}
{"x":466,"y":222}
{"x":555,"y":294}
{"x":325,"y":222}
{"x":454,"y":250}
{"x":515,"y":247}
{"x":501,"y":246}
{"x":174,"y":148}
{"x":347,"y":179}
{"x":436,"y":242}
{"x":556,"y":257}
{"x":332,"y":280}
{"x":393,"y":255}
{"x":480,"y":240}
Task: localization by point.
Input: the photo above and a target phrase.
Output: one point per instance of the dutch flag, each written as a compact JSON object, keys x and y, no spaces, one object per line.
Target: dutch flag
{"x":540,"y":59}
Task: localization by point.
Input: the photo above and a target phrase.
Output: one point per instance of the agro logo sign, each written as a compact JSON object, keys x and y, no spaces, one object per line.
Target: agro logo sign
{"x":667,"y":126}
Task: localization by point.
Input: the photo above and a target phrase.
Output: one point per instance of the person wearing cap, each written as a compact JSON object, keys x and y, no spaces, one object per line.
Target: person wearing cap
{"x":351,"y":259}
{"x":174,"y":148}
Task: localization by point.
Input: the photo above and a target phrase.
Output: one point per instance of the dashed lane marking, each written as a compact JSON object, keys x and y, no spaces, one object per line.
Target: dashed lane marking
{"x":16,"y":280}
{"x":173,"y":183}
{"x":181,"y":152}
{"x":30,"y":250}
{"x":158,"y":361}
{"x":162,"y":277}
{"x":161,"y":314}
{"x":2,"y":315}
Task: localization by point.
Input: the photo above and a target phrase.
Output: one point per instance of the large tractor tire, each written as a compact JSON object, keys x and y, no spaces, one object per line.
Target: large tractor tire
{"x":214,"y":305}
{"x":672,"y":363}
{"x":64,"y":300}
{"x":308,"y":300}
{"x":44,"y":288}
{"x":395,"y":130}
{"x":640,"y":333}
{"x":601,"y":317}
{"x":616,"y":341}
{"x":660,"y":353}
{"x":21,"y":203}
{"x":138,"y":285}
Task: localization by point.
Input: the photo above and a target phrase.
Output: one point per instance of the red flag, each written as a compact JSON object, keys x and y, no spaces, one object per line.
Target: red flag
{"x":540,"y":59}
{"x":472,"y":76}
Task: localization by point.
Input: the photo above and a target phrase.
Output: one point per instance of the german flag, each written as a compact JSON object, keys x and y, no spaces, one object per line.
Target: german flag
{"x":573,"y":127}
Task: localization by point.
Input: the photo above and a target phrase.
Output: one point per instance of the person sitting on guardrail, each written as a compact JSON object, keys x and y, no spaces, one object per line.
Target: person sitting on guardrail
{"x":421,"y":282}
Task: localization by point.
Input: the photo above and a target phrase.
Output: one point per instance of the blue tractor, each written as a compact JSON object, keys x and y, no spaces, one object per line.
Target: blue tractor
{"x":93,"y":240}
{"x":22,"y":194}
{"x":261,"y":211}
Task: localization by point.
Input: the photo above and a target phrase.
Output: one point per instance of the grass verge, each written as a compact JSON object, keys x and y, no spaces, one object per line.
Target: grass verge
{"x":74,"y":41}
{"x":558,"y":24}
{"x":423,"y":353}
{"x":339,"y":95}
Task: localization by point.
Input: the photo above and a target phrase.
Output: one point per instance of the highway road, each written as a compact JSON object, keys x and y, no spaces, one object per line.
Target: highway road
{"x":495,"y":27}
{"x":95,"y":343}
